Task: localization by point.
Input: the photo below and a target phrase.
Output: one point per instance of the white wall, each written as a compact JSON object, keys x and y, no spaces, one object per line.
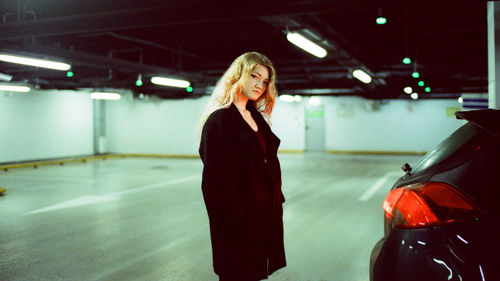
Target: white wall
{"x":288,"y":124}
{"x":52,"y":124}
{"x":351,"y":124}
{"x":159,"y":127}
{"x":44,"y":124}
{"x":171,"y":126}
{"x":355,"y":124}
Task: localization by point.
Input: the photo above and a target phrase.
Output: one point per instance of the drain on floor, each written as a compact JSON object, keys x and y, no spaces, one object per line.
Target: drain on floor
{"x":159,"y":167}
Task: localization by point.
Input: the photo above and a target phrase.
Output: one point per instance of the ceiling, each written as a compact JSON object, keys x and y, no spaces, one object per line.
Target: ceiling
{"x":109,"y":43}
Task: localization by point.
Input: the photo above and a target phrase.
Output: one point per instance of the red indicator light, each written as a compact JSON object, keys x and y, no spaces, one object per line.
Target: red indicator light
{"x":421,"y":205}
{"x":391,"y":200}
{"x":412,"y":211}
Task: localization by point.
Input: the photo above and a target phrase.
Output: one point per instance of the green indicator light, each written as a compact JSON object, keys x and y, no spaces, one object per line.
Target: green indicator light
{"x":406,"y":60}
{"x":70,"y":74}
{"x":189,"y":89}
{"x":427,"y":89}
{"x":421,"y":83}
{"x":381,"y":20}
{"x":138,"y":83}
{"x":415,"y":74}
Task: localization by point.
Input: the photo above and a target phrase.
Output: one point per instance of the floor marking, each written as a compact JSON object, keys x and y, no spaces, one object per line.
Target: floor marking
{"x":79,"y":201}
{"x":367,"y":195}
{"x":156,"y":185}
{"x":96,"y":199}
{"x":128,"y":263}
{"x":49,"y":179}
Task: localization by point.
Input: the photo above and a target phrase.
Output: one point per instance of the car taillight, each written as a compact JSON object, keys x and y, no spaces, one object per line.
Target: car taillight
{"x":424,"y":204}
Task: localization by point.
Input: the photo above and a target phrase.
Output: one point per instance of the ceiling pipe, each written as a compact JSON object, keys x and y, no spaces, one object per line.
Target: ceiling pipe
{"x":83,"y":59}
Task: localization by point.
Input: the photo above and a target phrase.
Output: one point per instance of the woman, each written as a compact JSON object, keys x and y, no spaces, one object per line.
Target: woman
{"x":241,"y":180}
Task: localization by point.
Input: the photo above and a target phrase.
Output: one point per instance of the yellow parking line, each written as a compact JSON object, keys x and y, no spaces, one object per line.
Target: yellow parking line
{"x":36,"y":164}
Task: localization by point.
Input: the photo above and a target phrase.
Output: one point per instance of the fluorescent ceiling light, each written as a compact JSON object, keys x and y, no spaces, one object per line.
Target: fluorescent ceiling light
{"x":362,"y":76}
{"x":105,"y":96}
{"x":315,"y":101}
{"x":163,"y":81}
{"x":35,"y":62}
{"x":11,"y":88}
{"x":287,"y":98}
{"x":5,"y":77}
{"x":321,"y":91}
{"x":305,"y":44}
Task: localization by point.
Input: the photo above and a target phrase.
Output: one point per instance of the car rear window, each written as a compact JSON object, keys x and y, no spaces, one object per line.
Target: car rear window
{"x":451,"y":150}
{"x":468,"y":160}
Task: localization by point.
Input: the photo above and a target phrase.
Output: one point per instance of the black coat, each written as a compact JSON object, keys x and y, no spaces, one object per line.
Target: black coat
{"x":242,"y":191}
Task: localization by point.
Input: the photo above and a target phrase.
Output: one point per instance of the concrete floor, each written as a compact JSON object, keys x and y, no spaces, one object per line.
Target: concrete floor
{"x":144,"y":219}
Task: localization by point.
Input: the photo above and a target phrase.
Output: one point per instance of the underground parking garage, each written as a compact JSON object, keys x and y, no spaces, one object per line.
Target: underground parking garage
{"x":136,"y":211}
{"x":110,"y":189}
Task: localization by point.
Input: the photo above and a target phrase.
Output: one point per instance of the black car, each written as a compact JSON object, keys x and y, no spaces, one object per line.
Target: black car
{"x":442,"y":218}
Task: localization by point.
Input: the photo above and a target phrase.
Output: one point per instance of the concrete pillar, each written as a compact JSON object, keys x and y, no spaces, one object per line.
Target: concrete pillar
{"x":99,"y":113}
{"x":493,"y":18}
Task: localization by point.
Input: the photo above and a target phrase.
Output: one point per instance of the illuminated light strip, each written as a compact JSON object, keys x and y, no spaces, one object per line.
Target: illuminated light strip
{"x":35,"y":62}
{"x":5,"y":77}
{"x":10,"y":88}
{"x":287,"y":98}
{"x":362,"y":76}
{"x":306,"y":45}
{"x":164,"y":81}
{"x":314,"y":101}
{"x":105,"y":96}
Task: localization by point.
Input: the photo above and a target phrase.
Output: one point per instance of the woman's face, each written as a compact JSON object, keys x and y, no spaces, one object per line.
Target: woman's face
{"x":256,"y":84}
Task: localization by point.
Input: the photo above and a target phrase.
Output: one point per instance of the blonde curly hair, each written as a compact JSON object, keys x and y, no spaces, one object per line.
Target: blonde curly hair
{"x":231,"y":84}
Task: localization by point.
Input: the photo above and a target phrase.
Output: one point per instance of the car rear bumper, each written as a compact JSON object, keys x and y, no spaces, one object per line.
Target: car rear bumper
{"x":432,"y":254}
{"x":374,"y":255}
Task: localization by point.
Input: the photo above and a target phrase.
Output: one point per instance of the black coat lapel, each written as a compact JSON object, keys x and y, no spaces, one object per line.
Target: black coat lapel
{"x":247,"y":135}
{"x":272,"y":141}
